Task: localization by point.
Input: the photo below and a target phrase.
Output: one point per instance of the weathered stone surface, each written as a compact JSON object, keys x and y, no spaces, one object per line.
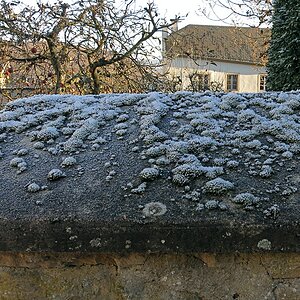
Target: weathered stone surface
{"x":147,"y":276}
{"x":279,"y":266}
{"x":84,"y":283}
{"x":155,"y":172}
{"x":288,"y":290}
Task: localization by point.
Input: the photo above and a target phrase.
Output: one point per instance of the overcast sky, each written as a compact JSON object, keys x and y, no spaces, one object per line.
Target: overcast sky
{"x":171,"y":8}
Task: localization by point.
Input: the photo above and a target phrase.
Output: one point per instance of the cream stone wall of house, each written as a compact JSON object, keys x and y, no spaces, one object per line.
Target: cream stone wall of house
{"x":2,"y":82}
{"x":248,"y":75}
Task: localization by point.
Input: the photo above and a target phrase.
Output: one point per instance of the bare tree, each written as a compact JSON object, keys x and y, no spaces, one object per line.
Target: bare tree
{"x":83,"y":47}
{"x":114,"y":41}
{"x":34,"y":34}
{"x":251,"y":12}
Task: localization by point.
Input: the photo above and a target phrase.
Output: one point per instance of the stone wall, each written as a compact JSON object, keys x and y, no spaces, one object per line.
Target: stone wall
{"x":157,"y":276}
{"x":130,"y":197}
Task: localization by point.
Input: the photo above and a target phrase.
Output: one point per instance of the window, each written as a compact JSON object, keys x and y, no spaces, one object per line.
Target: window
{"x":205,"y":80}
{"x":262,"y":82}
{"x":232,"y":82}
{"x":199,"y":82}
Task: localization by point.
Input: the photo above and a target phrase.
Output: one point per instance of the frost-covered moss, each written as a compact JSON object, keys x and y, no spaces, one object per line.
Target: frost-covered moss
{"x":153,"y":137}
{"x":272,"y":212}
{"x":22,"y":152}
{"x":191,"y":138}
{"x":39,"y":145}
{"x":95,"y":147}
{"x":212,"y":204}
{"x":266,"y":171}
{"x":120,"y":126}
{"x":189,"y":170}
{"x":200,"y":207}
{"x":180,"y":179}
{"x":174,"y":123}
{"x":112,"y":173}
{"x":281,"y":147}
{"x":33,"y":188}
{"x":100,"y":140}
{"x":213,"y":172}
{"x":255,"y":144}
{"x":140,"y":189}
{"x":53,"y":150}
{"x":199,"y":144}
{"x":121,"y":132}
{"x":68,"y":130}
{"x":219,"y":161}
{"x":107,"y":164}
{"x":69,"y":162}
{"x":55,"y":174}
{"x":247,"y":115}
{"x":183,"y":130}
{"x":3,"y":137}
{"x":230,"y":101}
{"x":287,"y":154}
{"x":15,"y":161}
{"x":135,"y":149}
{"x":122,"y":118}
{"x":156,"y":151}
{"x":47,"y":133}
{"x":194,"y":195}
{"x":246,"y":199}
{"x":162,"y":161}
{"x":73,"y":145}
{"x":264,"y":244}
{"x":232,"y":164}
{"x":149,"y":174}
{"x":19,"y":163}
{"x":268,"y":161}
{"x":218,"y":186}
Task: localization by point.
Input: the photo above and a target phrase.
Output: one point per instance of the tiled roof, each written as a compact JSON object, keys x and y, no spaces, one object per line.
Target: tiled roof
{"x":227,"y":43}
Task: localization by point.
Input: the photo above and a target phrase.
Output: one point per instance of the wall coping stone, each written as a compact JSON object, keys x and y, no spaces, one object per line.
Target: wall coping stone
{"x":184,"y":172}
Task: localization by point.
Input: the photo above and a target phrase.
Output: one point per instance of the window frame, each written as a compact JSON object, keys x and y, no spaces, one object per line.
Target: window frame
{"x":264,"y":82}
{"x":232,"y":89}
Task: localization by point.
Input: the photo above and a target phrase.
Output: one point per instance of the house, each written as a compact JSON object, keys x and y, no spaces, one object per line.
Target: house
{"x":224,"y":58}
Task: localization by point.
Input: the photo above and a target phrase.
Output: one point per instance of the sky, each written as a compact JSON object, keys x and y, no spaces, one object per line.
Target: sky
{"x":171,"y":8}
{"x":195,"y":8}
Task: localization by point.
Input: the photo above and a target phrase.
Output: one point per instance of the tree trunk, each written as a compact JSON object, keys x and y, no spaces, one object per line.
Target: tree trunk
{"x":57,"y":66}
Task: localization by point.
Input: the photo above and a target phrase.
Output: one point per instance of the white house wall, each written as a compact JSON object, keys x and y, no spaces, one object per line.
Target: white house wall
{"x":248,"y":75}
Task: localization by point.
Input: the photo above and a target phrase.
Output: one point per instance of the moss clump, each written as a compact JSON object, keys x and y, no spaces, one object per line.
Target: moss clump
{"x":18,"y":163}
{"x":55,"y":174}
{"x":218,"y":186}
{"x":140,"y":189}
{"x":149,"y":174}
{"x":180,"y":179}
{"x":33,"y":188}
{"x":246,"y":199}
{"x":69,"y":162}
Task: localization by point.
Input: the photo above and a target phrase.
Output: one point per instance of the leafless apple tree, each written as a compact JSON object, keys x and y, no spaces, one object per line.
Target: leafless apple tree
{"x":88,"y":46}
{"x":239,"y":12}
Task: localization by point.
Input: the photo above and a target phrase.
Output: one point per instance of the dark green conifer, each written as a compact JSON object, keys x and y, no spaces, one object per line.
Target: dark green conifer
{"x":284,"y":53}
